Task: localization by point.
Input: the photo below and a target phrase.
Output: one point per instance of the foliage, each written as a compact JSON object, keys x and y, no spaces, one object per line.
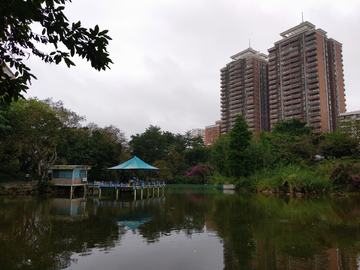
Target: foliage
{"x":176,"y":163}
{"x":97,"y":147}
{"x":150,"y":145}
{"x":294,"y":127}
{"x":346,"y":176}
{"x":218,"y":178}
{"x":237,"y":162}
{"x":165,"y":173}
{"x":34,"y":136}
{"x":352,"y":129}
{"x":288,"y":178}
{"x":219,"y":153}
{"x":19,"y":41}
{"x":338,"y":144}
{"x":43,"y":186}
{"x":261,"y":151}
{"x":197,"y":155}
{"x":182,"y":179}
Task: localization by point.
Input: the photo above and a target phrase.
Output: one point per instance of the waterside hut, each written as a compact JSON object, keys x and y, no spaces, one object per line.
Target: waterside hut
{"x":69,"y":176}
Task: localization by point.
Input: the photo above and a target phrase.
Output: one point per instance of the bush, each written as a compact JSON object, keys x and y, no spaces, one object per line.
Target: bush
{"x":291,"y":178}
{"x":181,"y":179}
{"x":44,"y":186}
{"x":346,"y":176}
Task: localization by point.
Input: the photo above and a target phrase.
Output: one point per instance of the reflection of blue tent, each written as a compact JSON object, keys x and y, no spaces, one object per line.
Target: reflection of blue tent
{"x":134,"y":220}
{"x":134,"y":164}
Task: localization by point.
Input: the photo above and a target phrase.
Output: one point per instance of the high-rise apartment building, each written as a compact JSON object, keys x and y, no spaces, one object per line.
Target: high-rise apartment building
{"x":306,"y":79}
{"x":244,"y":91}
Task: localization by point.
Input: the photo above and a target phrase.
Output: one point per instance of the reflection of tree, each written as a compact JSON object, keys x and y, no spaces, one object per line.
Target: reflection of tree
{"x":291,"y":231}
{"x":31,"y":239}
{"x":178,"y":214}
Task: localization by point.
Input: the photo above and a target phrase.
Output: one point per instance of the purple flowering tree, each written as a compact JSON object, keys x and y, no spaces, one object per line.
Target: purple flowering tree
{"x":201,"y":173}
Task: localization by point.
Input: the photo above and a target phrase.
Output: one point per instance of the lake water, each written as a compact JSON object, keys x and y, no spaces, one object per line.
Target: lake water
{"x":180,"y":229}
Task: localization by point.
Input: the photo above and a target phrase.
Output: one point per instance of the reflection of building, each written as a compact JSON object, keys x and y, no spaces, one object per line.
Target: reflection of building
{"x":306,"y":79}
{"x":212,"y":133}
{"x":244,"y":91}
{"x":68,"y":209}
{"x":69,"y":175}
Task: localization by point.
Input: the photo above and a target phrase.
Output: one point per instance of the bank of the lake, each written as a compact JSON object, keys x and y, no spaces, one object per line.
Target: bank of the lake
{"x":334,"y":176}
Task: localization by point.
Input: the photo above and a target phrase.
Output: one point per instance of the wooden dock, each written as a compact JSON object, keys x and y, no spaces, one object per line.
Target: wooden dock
{"x":142,"y":189}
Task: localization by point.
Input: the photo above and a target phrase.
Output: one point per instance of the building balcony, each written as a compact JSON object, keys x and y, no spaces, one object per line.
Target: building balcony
{"x":314,"y":112}
{"x":273,"y":96}
{"x":272,"y":76}
{"x":314,"y":96}
{"x":311,"y":86}
{"x":292,"y":100}
{"x":311,"y":64}
{"x":271,"y":87}
{"x":314,"y":107}
{"x":309,"y":70}
{"x":309,"y":47}
{"x":310,"y":53}
{"x":272,"y":82}
{"x":271,"y":92}
{"x":310,"y":41}
{"x":312,"y":79}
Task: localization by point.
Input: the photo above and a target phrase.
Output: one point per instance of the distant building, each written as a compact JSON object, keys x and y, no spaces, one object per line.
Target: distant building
{"x":244,"y":90}
{"x":198,"y":132}
{"x":212,"y":133}
{"x":306,"y":79}
{"x":355,"y":115}
{"x":349,"y":116}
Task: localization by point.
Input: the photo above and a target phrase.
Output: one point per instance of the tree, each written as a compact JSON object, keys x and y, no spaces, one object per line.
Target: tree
{"x":237,"y":158}
{"x":98,"y":147}
{"x":293,"y":141}
{"x":351,"y":128}
{"x":18,"y":41}
{"x":294,"y":127}
{"x":35,"y":128}
{"x":198,"y":155}
{"x":150,"y":145}
{"x":219,"y":153}
{"x":261,"y":152}
{"x":338,"y":144}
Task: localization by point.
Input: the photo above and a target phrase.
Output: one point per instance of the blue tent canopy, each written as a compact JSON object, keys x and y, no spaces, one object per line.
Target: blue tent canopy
{"x":134,"y":164}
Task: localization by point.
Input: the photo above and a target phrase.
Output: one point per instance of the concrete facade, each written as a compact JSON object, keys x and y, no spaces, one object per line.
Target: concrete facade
{"x":212,"y":133}
{"x":306,"y":79}
{"x":244,"y":91}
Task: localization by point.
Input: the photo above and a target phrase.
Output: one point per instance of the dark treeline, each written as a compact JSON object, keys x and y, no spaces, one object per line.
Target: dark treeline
{"x":36,"y":134}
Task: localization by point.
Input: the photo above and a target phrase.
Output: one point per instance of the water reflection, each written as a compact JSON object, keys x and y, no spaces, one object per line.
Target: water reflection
{"x":184,"y":229}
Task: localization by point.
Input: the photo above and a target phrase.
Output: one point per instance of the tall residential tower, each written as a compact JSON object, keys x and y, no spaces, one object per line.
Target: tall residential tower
{"x":306,"y":79}
{"x":244,"y":91}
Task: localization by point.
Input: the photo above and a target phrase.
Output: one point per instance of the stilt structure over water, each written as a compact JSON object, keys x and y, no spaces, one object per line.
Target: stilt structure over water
{"x":142,"y":189}
{"x":70,"y":176}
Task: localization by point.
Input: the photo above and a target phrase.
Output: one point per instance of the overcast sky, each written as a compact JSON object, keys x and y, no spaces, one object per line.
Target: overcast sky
{"x":168,"y":54}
